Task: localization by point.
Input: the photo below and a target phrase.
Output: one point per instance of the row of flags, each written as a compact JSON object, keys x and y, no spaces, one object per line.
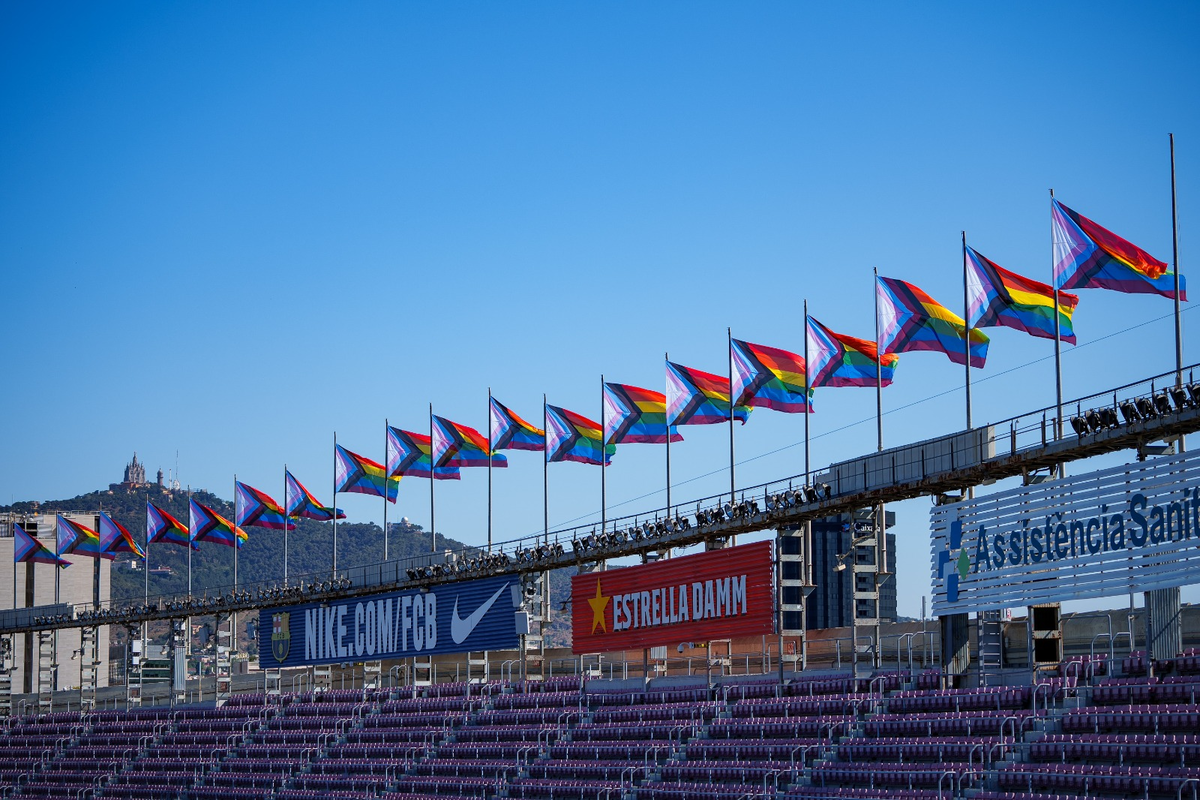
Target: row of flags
{"x":909,"y":320}
{"x":1086,"y":256}
{"x":253,"y":508}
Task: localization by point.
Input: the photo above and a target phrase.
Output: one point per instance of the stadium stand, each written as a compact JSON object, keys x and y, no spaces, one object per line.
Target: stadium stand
{"x":1083,"y":731}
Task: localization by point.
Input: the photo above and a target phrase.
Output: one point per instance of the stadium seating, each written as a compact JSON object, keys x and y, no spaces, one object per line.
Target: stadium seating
{"x":1084,"y":731}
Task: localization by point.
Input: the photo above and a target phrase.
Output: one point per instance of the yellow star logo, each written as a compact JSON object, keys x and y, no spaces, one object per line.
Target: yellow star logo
{"x":598,"y":603}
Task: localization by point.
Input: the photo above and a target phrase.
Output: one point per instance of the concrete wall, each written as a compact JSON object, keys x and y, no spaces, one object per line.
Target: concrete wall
{"x":75,"y":587}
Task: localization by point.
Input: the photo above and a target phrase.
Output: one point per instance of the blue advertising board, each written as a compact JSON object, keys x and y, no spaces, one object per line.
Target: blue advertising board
{"x":450,"y":618}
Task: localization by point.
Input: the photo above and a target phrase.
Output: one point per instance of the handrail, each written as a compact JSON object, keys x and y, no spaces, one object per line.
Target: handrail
{"x":971,"y":755}
{"x":632,"y":770}
{"x":804,"y":748}
{"x":1016,"y":721}
{"x":768,"y":774}
{"x":1045,"y":699}
{"x":1112,"y":642}
{"x":942,"y":777}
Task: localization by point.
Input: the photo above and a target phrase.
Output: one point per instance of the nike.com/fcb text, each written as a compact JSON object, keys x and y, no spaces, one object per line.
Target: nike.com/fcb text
{"x":458,"y":617}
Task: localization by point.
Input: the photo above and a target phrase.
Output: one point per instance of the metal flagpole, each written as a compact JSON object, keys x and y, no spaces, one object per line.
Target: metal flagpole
{"x":1057,"y":332}
{"x":237,"y":545}
{"x":806,"y":394}
{"x":335,"y":504}
{"x":386,"y":477}
{"x":603,"y":463}
{"x":1058,"y":392}
{"x":489,"y":429}
{"x":286,"y":521}
{"x":189,"y":542}
{"x":545,"y":474}
{"x":432,"y":466}
{"x":967,"y":324}
{"x":880,"y":525}
{"x":667,"y":357}
{"x":808,"y":536}
{"x":57,"y":569}
{"x":732,"y":400}
{"x":1175,"y":259}
{"x":188,"y":622}
{"x":878,"y":368}
{"x":145,"y":564}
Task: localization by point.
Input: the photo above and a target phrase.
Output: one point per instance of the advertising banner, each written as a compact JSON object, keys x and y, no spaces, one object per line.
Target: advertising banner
{"x":451,"y":618}
{"x":720,"y":594}
{"x":1131,"y":528}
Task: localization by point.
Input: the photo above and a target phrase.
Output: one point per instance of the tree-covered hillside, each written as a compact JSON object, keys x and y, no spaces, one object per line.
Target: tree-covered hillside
{"x":310,"y":547}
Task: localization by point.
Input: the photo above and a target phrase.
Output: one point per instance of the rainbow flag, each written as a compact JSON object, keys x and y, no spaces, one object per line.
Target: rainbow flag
{"x":634,"y":415}
{"x":206,"y":525}
{"x":301,"y":503}
{"x":258,"y":509}
{"x":408,"y":454}
{"x":835,"y":359}
{"x":27,"y":549}
{"x":767,"y":377}
{"x":359,"y":475}
{"x":510,"y":432}
{"x":79,"y":540}
{"x":115,"y":539}
{"x":573,"y":437}
{"x":698,"y":398}
{"x":910,"y":320}
{"x":996,"y":296}
{"x":1087,"y":256}
{"x":457,"y":445}
{"x":162,"y":527}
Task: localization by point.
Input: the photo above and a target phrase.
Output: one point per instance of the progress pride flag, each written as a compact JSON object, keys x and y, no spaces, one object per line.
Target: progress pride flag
{"x":720,"y":594}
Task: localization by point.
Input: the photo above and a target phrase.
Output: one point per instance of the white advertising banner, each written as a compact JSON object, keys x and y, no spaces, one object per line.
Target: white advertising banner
{"x":1131,"y":528}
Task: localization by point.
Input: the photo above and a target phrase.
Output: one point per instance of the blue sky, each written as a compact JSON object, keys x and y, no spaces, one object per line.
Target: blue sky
{"x":230,"y":230}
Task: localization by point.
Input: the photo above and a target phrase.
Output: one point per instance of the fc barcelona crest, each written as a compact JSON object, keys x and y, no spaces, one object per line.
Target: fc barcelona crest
{"x":281,"y":636}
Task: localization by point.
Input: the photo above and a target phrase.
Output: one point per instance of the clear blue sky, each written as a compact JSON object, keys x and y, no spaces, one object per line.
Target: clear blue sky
{"x":229,"y":230}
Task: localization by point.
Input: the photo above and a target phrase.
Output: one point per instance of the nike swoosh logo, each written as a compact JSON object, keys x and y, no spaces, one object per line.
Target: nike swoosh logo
{"x":460,"y":629}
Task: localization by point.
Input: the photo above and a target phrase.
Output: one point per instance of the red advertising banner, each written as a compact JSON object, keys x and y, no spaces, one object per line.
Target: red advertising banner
{"x":720,"y":594}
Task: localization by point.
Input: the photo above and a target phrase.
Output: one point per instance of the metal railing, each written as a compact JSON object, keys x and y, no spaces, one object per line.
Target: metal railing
{"x":751,"y":508}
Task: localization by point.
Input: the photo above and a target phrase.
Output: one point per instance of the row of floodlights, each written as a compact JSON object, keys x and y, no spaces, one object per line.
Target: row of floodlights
{"x":1166,"y":402}
{"x":805,"y":495}
{"x":480,"y":564}
{"x":647,"y":530}
{"x":198,"y":604}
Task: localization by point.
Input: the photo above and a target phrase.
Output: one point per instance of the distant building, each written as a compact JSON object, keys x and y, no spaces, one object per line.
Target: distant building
{"x":160,"y":477}
{"x":84,"y":583}
{"x":831,"y":604}
{"x":135,"y":477}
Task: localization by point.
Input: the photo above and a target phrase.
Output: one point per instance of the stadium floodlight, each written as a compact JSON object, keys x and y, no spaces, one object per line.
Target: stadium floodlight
{"x":1194,"y":391}
{"x":1179,"y":396}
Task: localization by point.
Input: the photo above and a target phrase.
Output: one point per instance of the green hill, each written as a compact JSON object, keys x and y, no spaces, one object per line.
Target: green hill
{"x":310,"y":547}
